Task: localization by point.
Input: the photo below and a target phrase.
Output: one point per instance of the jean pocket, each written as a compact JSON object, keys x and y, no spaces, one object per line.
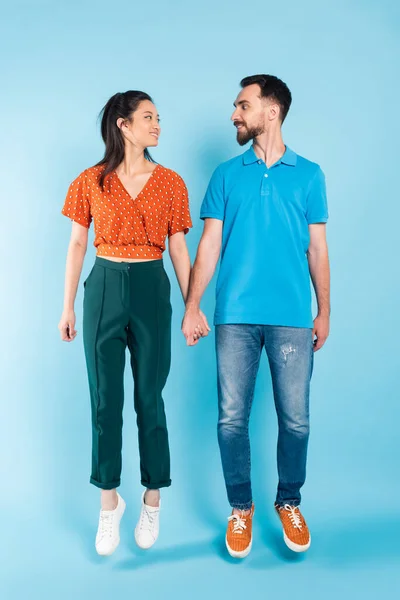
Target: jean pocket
{"x":88,"y":277}
{"x":166,"y":282}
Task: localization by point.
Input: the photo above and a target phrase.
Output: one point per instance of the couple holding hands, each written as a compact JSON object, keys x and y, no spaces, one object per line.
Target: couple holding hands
{"x":264,"y":216}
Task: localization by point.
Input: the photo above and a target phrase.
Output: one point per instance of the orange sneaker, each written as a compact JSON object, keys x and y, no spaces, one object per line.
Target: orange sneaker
{"x":239,"y":537}
{"x":295,"y":531}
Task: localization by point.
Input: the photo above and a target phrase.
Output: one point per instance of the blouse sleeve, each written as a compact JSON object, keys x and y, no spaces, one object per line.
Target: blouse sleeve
{"x":180,"y":219}
{"x":77,"y":205}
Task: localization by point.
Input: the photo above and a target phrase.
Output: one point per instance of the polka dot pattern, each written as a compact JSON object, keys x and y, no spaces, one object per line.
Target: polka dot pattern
{"x":126,"y":227}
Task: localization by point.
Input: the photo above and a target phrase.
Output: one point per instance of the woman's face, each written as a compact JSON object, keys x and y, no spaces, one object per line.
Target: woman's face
{"x":143,"y":129}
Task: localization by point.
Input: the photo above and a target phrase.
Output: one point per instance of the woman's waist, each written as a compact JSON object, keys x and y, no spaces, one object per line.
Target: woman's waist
{"x":133,"y":266}
{"x":129,"y":252}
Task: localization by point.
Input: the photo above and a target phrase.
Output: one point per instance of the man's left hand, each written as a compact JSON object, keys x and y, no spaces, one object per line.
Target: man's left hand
{"x":320,"y":331}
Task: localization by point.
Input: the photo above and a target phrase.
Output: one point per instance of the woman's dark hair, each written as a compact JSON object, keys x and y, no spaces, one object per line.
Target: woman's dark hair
{"x":121,"y":105}
{"x":272,"y":87}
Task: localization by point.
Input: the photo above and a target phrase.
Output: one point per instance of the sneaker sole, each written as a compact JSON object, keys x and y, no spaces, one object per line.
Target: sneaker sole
{"x":110,"y":551}
{"x":235,"y":553}
{"x":296,"y":547}
{"x":141,"y":545}
{"x":119,"y":537}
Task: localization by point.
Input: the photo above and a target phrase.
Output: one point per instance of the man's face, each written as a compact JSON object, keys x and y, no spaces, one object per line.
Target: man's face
{"x":249,"y":116}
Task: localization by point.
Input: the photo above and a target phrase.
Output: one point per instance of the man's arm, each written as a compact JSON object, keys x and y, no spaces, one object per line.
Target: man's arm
{"x":318,"y":262}
{"x":203,"y":269}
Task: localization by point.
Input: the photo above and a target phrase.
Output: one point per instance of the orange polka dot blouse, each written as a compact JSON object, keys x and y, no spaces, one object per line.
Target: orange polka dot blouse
{"x":125,"y":227}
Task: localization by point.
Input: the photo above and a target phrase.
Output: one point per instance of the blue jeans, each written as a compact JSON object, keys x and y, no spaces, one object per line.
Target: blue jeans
{"x":290,"y":355}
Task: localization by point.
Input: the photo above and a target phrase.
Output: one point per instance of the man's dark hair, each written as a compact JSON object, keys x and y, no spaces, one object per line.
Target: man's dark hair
{"x":271,"y":87}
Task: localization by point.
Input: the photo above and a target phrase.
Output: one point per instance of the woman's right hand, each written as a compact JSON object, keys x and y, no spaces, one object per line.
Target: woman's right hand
{"x":66,"y":326}
{"x":194,"y":325}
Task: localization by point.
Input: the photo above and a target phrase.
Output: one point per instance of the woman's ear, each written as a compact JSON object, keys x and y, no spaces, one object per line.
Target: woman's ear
{"x":120,"y":122}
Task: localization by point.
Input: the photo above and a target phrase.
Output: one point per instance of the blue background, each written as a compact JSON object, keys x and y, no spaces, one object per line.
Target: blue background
{"x":60,"y":62}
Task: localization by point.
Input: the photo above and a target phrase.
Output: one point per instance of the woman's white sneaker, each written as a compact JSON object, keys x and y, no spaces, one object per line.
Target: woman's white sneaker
{"x":147,"y":528}
{"x":107,"y":538}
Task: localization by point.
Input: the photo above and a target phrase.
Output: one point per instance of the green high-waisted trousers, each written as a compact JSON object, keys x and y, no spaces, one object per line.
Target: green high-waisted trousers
{"x":128,"y":304}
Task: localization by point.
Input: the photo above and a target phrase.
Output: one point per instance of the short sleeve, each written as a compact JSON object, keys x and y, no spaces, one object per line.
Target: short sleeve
{"x":77,"y":205}
{"x":213,"y":205}
{"x":317,"y":205}
{"x":180,"y":219}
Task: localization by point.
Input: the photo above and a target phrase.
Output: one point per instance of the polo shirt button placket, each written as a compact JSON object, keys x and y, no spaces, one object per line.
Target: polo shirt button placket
{"x":265,"y":185}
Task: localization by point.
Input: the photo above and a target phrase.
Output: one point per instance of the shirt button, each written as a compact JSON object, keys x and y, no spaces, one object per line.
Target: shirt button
{"x":259,"y":162}
{"x":265,"y":174}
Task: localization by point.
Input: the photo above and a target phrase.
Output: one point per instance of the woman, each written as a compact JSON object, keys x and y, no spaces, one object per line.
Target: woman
{"x":135,"y":204}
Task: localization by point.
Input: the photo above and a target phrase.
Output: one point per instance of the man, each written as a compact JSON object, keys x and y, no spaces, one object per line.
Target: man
{"x":267,"y":210}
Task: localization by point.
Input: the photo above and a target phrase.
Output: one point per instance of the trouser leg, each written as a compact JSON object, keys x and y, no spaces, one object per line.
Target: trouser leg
{"x":105,"y":338}
{"x":149,"y":340}
{"x":290,"y":355}
{"x":238,"y":349}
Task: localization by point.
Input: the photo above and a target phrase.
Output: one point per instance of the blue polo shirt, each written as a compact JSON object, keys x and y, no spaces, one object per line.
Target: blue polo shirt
{"x":264,"y":276}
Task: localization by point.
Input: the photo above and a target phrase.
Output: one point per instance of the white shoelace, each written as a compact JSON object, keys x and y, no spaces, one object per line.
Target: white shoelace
{"x":148,"y":519}
{"x":294,"y":516}
{"x":239,"y":523}
{"x":106,"y":524}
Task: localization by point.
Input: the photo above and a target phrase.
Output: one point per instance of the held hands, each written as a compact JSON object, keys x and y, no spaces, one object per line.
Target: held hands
{"x":66,"y":326}
{"x":194,"y":326}
{"x":320,"y":331}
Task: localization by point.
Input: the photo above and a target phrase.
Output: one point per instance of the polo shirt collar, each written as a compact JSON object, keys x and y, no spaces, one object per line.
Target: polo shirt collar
{"x":250,"y":157}
{"x":289,"y":158}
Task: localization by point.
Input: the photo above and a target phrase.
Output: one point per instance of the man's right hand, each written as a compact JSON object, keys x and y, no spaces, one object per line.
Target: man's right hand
{"x":194,"y":325}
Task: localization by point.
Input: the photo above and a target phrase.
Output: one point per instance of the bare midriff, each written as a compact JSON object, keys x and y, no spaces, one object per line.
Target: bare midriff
{"x":130,"y":260}
{"x":123,"y":252}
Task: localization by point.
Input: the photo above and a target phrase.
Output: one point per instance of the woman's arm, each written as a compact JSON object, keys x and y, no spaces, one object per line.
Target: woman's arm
{"x":75,"y":256}
{"x":181,"y":261}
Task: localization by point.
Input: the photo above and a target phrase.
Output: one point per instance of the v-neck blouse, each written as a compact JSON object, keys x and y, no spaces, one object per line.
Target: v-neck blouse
{"x":126,"y":227}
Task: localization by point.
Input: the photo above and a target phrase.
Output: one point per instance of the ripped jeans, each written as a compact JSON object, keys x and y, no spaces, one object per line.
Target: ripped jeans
{"x":290,"y":355}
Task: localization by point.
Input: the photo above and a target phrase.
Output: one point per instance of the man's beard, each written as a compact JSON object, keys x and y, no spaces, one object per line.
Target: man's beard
{"x":247,"y":134}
